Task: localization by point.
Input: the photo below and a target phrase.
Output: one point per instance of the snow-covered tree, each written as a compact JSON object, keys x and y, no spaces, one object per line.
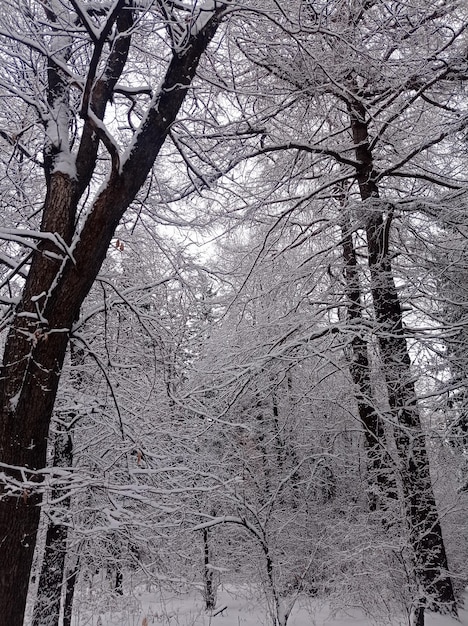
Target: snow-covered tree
{"x":101,"y":86}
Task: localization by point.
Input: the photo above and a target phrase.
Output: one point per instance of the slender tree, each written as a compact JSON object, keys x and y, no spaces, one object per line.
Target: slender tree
{"x":431,"y":568}
{"x":51,"y":578}
{"x":380,"y":465}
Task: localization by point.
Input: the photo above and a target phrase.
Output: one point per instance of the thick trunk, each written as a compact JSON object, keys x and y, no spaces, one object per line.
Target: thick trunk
{"x":26,"y":442}
{"x":32,"y":363}
{"x":417,"y":618}
{"x":425,"y":533}
{"x":19,"y":518}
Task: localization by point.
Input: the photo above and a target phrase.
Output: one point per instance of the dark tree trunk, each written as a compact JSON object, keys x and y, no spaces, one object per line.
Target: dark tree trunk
{"x":379,"y":462}
{"x":418,"y":617}
{"x":70,"y":587}
{"x":425,"y":533}
{"x":49,"y":595}
{"x":209,"y":583}
{"x":119,"y":581}
{"x":47,"y":606}
{"x":53,"y":294}
{"x":32,"y":363}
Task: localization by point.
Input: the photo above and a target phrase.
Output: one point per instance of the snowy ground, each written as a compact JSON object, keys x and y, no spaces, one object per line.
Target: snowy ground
{"x":149,"y":609}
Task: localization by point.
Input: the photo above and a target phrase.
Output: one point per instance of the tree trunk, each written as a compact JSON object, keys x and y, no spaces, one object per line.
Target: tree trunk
{"x":418,"y":617}
{"x":49,"y":594}
{"x":425,"y":533}
{"x":379,"y":462}
{"x":32,"y":363}
{"x":70,"y":593}
{"x":118,"y":582}
{"x":209,"y":583}
{"x":53,"y":294}
{"x":51,"y":580}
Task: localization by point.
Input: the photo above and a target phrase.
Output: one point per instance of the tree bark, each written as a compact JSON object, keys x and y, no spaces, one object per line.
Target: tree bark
{"x":70,"y":593}
{"x":425,"y":533}
{"x":49,"y":594}
{"x":53,"y":294}
{"x":32,"y":363}
{"x":379,"y":463}
{"x":208,"y":576}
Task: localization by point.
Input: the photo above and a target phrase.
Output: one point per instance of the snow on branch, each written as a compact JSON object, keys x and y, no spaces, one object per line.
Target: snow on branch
{"x":106,"y":137}
{"x":205,"y":13}
{"x":12,"y":264}
{"x":22,"y":482}
{"x":230,"y":519}
{"x":22,"y":236}
{"x":184,"y":30}
{"x":83,"y":15}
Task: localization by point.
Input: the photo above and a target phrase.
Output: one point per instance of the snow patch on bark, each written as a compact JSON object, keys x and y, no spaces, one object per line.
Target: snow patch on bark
{"x":196,"y":25}
{"x":57,"y":141}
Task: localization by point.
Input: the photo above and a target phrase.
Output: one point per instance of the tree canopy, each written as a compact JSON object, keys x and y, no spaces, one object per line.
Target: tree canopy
{"x":232,"y":263}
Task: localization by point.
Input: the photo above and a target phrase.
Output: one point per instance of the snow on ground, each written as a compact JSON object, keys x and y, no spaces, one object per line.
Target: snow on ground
{"x":150,"y":609}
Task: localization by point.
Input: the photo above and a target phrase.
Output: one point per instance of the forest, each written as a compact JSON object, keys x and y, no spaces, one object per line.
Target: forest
{"x":233,"y":306}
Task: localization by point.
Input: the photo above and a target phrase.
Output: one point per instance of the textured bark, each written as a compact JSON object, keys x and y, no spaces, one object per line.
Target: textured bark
{"x":425,"y":533}
{"x":379,"y":462}
{"x":51,"y":301}
{"x":49,"y":595}
{"x":32,"y":363}
{"x":51,"y":580}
